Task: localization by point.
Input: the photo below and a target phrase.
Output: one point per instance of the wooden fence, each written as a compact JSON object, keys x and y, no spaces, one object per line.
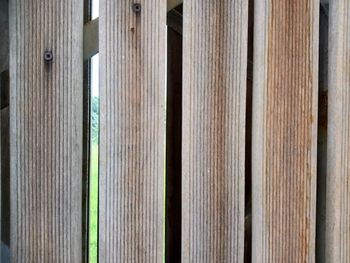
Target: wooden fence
{"x":224,"y":137}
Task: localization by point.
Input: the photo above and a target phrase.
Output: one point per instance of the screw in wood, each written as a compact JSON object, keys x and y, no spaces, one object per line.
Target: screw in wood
{"x":48,"y":56}
{"x":136,"y":7}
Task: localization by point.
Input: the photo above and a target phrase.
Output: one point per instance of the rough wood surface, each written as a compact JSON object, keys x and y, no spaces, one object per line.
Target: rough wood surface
{"x":338,"y":160}
{"x":285,"y":130}
{"x":46,"y":130}
{"x":132,"y":131}
{"x":214,"y":96}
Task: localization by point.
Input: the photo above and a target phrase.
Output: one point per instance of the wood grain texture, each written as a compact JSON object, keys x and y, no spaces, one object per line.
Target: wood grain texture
{"x":338,"y":159}
{"x":46,"y":130}
{"x":285,"y":130}
{"x":132,"y":131}
{"x":213,"y":155}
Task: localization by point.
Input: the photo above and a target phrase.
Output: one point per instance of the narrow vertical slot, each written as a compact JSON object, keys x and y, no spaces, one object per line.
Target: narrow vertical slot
{"x":94,"y":148}
{"x":248,"y":144}
{"x":94,"y":160}
{"x":4,"y":136}
{"x":173,"y":134}
{"x":322,"y":136}
{"x":5,"y":167}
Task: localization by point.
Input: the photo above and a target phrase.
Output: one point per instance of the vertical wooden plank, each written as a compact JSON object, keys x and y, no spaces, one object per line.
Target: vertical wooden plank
{"x":285,"y":130}
{"x":214,"y":96}
{"x":338,"y":160}
{"x":46,"y":130}
{"x":132,"y":130}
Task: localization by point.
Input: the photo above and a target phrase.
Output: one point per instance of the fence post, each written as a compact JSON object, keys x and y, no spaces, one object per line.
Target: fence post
{"x":285,"y":130}
{"x":213,"y":149}
{"x":338,"y":159}
{"x":132,"y":43}
{"x":46,"y":48}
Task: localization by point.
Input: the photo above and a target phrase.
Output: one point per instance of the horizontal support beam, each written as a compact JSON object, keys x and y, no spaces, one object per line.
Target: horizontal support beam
{"x":174,"y":21}
{"x":173,"y":3}
{"x":91,"y":32}
{"x":90,"y":39}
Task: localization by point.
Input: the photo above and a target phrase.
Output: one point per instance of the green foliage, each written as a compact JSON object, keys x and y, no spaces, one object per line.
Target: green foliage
{"x":93,"y":221}
{"x":95,"y":109}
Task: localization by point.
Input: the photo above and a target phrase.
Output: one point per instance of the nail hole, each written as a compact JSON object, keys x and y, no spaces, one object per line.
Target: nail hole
{"x":48,"y":56}
{"x":136,"y":7}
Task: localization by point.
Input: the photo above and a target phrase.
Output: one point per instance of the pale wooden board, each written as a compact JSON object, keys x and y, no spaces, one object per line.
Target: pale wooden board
{"x":338,"y":159}
{"x":213,"y":156}
{"x":132,"y":131}
{"x":285,"y":130}
{"x":46,"y":130}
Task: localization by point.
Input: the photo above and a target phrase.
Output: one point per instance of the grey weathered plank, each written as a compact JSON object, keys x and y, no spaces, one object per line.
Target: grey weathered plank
{"x":46,"y":130}
{"x":132,"y":131}
{"x":338,"y":159}
{"x":91,"y":32}
{"x":213,"y":155}
{"x":285,"y":130}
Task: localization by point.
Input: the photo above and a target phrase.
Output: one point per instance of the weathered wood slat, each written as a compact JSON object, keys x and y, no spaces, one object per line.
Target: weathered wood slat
{"x":132,"y":131}
{"x":338,"y":159}
{"x":285,"y":130}
{"x":214,"y":96}
{"x":46,"y":130}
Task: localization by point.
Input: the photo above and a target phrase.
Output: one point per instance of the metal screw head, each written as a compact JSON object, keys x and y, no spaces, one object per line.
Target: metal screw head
{"x":48,"y":56}
{"x":136,"y":7}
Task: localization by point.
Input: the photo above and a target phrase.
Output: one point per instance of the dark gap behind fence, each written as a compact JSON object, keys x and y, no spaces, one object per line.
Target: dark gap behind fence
{"x":173,"y":138}
{"x":86,"y":162}
{"x":322,"y":136}
{"x":5,"y":158}
{"x":248,"y":143}
{"x":5,"y":135}
{"x":86,"y":145}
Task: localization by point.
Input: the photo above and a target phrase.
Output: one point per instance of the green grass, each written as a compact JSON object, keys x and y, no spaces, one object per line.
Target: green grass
{"x":93,"y":220}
